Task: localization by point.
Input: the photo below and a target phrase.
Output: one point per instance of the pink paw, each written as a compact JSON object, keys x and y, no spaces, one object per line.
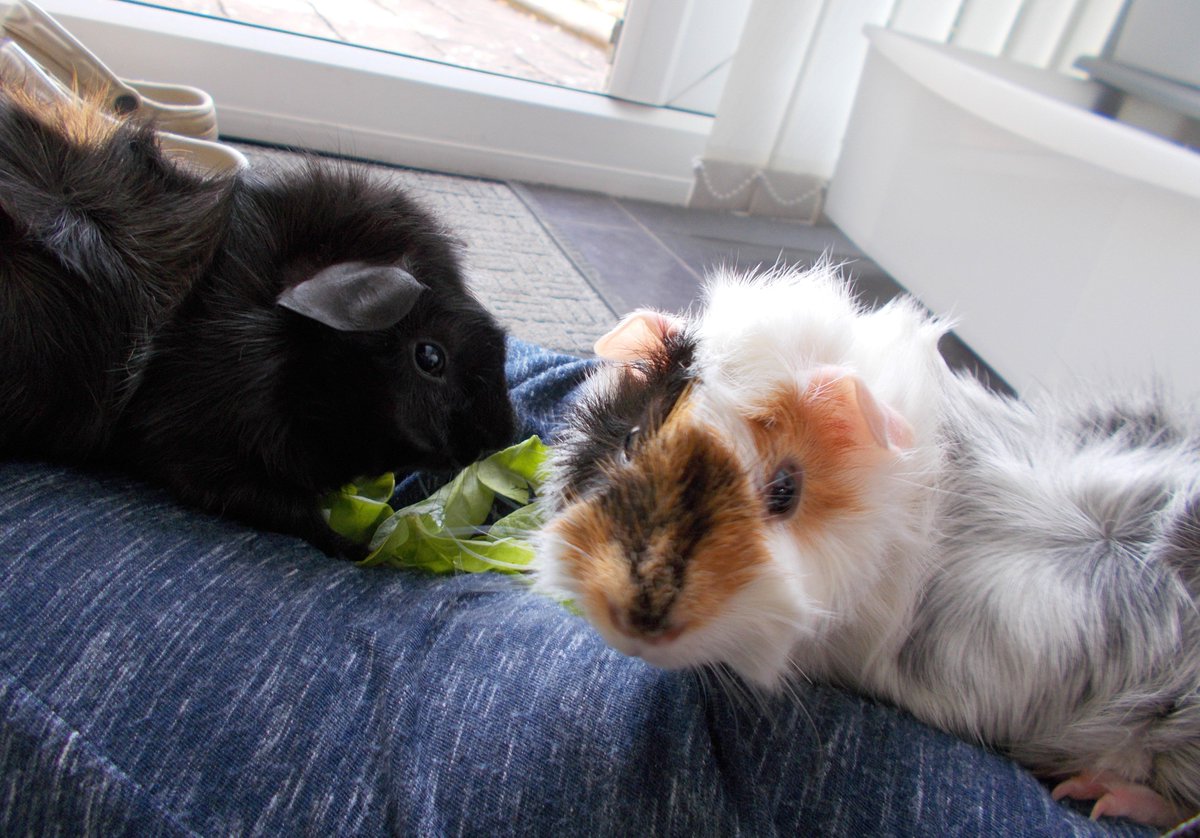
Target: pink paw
{"x":1118,"y":798}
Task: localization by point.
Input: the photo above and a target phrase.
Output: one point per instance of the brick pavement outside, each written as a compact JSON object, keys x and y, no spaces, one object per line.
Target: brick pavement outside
{"x":481,"y":34}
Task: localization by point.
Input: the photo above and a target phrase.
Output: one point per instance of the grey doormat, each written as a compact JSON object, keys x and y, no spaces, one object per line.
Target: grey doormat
{"x":514,"y":266}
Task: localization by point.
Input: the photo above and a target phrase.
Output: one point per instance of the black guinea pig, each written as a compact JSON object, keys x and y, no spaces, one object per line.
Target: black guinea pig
{"x":250,"y":341}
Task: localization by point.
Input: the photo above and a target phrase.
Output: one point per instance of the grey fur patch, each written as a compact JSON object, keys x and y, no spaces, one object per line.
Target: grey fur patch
{"x":1062,"y":624}
{"x":1180,"y":547}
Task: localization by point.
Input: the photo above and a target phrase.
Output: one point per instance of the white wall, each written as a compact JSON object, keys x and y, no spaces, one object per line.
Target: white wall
{"x":1063,"y":242}
{"x":785,"y":107}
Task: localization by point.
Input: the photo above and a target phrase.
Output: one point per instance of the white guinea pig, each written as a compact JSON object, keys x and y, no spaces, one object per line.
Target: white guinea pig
{"x":788,"y":482}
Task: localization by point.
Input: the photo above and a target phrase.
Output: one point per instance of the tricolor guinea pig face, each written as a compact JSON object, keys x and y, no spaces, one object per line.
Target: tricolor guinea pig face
{"x":696,"y":523}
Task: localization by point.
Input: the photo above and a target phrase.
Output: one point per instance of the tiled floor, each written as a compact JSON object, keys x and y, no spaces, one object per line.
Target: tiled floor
{"x":636,"y":253}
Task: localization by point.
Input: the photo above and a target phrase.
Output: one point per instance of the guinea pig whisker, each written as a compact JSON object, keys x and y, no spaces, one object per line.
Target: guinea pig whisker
{"x":701,"y":675}
{"x":927,"y":488}
{"x":571,"y":545}
{"x":464,"y":546}
{"x":763,"y":699}
{"x":798,"y":700}
{"x":710,"y":687}
{"x":736,"y":690}
{"x":458,"y":533}
{"x":762,"y":620}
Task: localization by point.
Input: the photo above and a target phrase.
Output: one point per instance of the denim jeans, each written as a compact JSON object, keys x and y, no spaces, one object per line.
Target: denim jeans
{"x":166,"y":672}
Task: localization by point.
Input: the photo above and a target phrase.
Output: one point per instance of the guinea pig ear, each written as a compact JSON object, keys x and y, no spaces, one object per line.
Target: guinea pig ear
{"x":637,"y":336}
{"x":875,"y":422}
{"x":354,"y":296}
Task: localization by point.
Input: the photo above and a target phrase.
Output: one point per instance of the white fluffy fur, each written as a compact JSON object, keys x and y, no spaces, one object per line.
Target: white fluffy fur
{"x":760,"y":334}
{"x":1019,"y":576}
{"x":756,"y":336}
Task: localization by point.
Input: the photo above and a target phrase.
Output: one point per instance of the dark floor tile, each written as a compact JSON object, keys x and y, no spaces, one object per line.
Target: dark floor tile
{"x":961,"y":357}
{"x":570,"y":206}
{"x":871,"y":285}
{"x":705,"y":256}
{"x":662,"y":220}
{"x":631,"y":269}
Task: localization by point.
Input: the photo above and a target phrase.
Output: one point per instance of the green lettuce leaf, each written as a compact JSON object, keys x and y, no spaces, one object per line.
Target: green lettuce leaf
{"x":448,"y":532}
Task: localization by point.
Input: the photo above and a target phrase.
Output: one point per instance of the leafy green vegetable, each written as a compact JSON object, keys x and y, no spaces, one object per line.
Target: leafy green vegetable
{"x":448,"y":531}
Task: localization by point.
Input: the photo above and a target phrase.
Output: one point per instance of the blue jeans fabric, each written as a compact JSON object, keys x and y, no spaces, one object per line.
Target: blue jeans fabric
{"x":165,"y":672}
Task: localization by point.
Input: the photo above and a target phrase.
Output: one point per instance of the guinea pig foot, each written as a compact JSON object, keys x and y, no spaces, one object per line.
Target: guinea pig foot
{"x":1118,"y":798}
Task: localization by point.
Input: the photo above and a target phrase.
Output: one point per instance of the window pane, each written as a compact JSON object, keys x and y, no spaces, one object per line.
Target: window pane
{"x":564,"y":43}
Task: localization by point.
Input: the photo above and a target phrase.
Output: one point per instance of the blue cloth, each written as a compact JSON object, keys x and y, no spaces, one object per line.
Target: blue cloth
{"x":164,"y":672}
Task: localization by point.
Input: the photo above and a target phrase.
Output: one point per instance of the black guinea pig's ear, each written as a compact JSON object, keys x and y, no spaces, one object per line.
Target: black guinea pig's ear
{"x":354,"y":296}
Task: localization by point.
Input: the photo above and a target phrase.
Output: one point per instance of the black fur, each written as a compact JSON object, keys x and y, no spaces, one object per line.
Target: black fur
{"x":659,"y":535}
{"x":97,"y":244}
{"x":617,"y":419}
{"x":141,"y":327}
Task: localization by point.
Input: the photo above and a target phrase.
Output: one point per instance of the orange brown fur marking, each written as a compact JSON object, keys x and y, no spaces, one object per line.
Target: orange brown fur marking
{"x":592,"y":555}
{"x":82,"y":120}
{"x":673,"y":538}
{"x":822,"y":432}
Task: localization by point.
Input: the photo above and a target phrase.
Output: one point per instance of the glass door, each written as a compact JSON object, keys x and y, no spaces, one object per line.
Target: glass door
{"x":423,"y":84}
{"x":559,"y":42}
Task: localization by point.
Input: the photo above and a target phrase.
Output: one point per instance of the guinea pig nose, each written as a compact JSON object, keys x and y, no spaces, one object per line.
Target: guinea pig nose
{"x":664,"y":635}
{"x":659,"y":632}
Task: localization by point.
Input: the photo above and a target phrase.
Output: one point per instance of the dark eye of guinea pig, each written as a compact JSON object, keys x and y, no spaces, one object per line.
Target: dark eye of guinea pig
{"x":625,"y":454}
{"x":631,"y":438}
{"x":430,"y":358}
{"x":782,"y":493}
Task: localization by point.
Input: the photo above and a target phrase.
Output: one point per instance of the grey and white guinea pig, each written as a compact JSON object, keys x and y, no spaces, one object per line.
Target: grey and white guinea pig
{"x":789,"y":482}
{"x":740,"y":480}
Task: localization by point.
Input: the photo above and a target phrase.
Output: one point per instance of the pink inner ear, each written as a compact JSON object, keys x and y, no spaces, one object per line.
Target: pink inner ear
{"x":887,"y":428}
{"x":871,"y":412}
{"x":637,"y":336}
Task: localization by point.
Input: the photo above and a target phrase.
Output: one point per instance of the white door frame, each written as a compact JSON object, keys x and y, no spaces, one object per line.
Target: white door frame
{"x":677,"y":52}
